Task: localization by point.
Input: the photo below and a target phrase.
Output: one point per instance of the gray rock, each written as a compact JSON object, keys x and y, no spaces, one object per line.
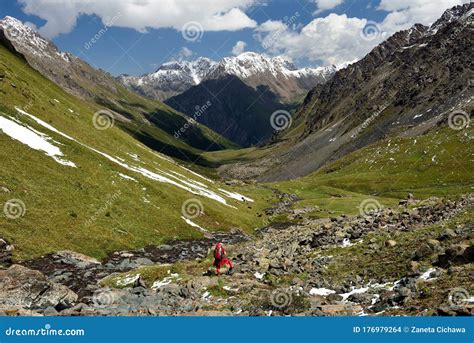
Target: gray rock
{"x":30,"y":289}
{"x":446,"y":234}
{"x":50,"y":311}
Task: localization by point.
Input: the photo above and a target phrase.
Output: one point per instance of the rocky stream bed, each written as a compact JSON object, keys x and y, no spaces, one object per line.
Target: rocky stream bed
{"x":399,"y":265}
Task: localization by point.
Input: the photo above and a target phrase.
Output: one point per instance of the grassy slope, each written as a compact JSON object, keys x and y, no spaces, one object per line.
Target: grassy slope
{"x":60,"y":200}
{"x":439,"y":163}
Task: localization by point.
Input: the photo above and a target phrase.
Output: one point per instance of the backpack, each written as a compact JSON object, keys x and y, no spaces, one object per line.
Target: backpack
{"x":219,"y":251}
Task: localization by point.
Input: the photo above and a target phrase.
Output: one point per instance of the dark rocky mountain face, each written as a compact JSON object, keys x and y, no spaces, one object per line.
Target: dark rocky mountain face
{"x":278,"y":74}
{"x":407,"y":85}
{"x":230,"y":107}
{"x":170,"y":79}
{"x":258,"y":81}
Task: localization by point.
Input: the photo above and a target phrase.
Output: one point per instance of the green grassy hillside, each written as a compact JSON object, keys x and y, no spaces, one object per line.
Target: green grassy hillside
{"x":90,"y":208}
{"x":439,"y":163}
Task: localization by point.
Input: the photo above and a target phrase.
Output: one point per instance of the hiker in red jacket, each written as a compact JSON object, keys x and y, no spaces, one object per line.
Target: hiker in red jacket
{"x":220,"y":258}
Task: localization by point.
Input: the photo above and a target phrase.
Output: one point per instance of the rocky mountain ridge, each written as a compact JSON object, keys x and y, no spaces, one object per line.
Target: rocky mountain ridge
{"x":280,"y":75}
{"x":406,"y":86}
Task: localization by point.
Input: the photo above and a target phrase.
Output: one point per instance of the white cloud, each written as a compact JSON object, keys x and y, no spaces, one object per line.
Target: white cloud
{"x":61,"y":15}
{"x":185,"y":53}
{"x":405,"y":13}
{"x":324,"y":5}
{"x":31,"y":25}
{"x":333,"y":39}
{"x":239,"y":48}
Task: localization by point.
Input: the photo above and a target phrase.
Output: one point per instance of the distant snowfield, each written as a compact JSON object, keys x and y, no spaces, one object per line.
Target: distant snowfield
{"x":34,"y":139}
{"x":40,"y":141}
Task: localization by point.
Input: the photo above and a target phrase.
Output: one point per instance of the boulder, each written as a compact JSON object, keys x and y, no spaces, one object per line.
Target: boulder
{"x":456,"y":254}
{"x":342,"y":309}
{"x":6,"y":252}
{"x":446,"y":234}
{"x":76,"y":259}
{"x":30,"y":289}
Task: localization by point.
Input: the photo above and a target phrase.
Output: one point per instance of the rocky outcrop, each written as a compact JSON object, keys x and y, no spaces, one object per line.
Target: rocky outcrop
{"x":406,"y":86}
{"x":281,"y":272}
{"x":23,"y":288}
{"x":6,"y":251}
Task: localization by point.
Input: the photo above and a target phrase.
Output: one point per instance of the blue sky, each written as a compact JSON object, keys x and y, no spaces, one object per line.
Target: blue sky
{"x":142,"y":34}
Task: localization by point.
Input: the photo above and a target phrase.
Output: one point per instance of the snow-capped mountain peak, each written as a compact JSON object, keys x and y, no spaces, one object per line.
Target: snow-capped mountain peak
{"x":175,"y":77}
{"x":22,"y":34}
{"x":461,"y":12}
{"x":196,"y":69}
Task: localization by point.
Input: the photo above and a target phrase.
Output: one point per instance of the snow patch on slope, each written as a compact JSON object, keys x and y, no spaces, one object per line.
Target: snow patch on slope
{"x":186,"y":184}
{"x":34,"y":139}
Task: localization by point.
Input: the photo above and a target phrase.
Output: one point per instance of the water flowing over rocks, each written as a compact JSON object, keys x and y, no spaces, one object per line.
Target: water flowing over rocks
{"x":281,"y":271}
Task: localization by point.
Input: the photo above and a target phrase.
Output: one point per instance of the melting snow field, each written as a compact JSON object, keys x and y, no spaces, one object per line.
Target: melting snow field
{"x":126,"y":177}
{"x":34,"y":139}
{"x":40,"y":141}
{"x":193,"y":224}
{"x":235,"y":196}
{"x":321,"y":291}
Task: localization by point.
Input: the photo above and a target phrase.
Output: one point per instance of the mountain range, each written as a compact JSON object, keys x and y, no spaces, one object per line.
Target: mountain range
{"x":406,"y":86}
{"x":244,"y":91}
{"x":152,"y":122}
{"x":347,"y":189}
{"x":280,"y":75}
